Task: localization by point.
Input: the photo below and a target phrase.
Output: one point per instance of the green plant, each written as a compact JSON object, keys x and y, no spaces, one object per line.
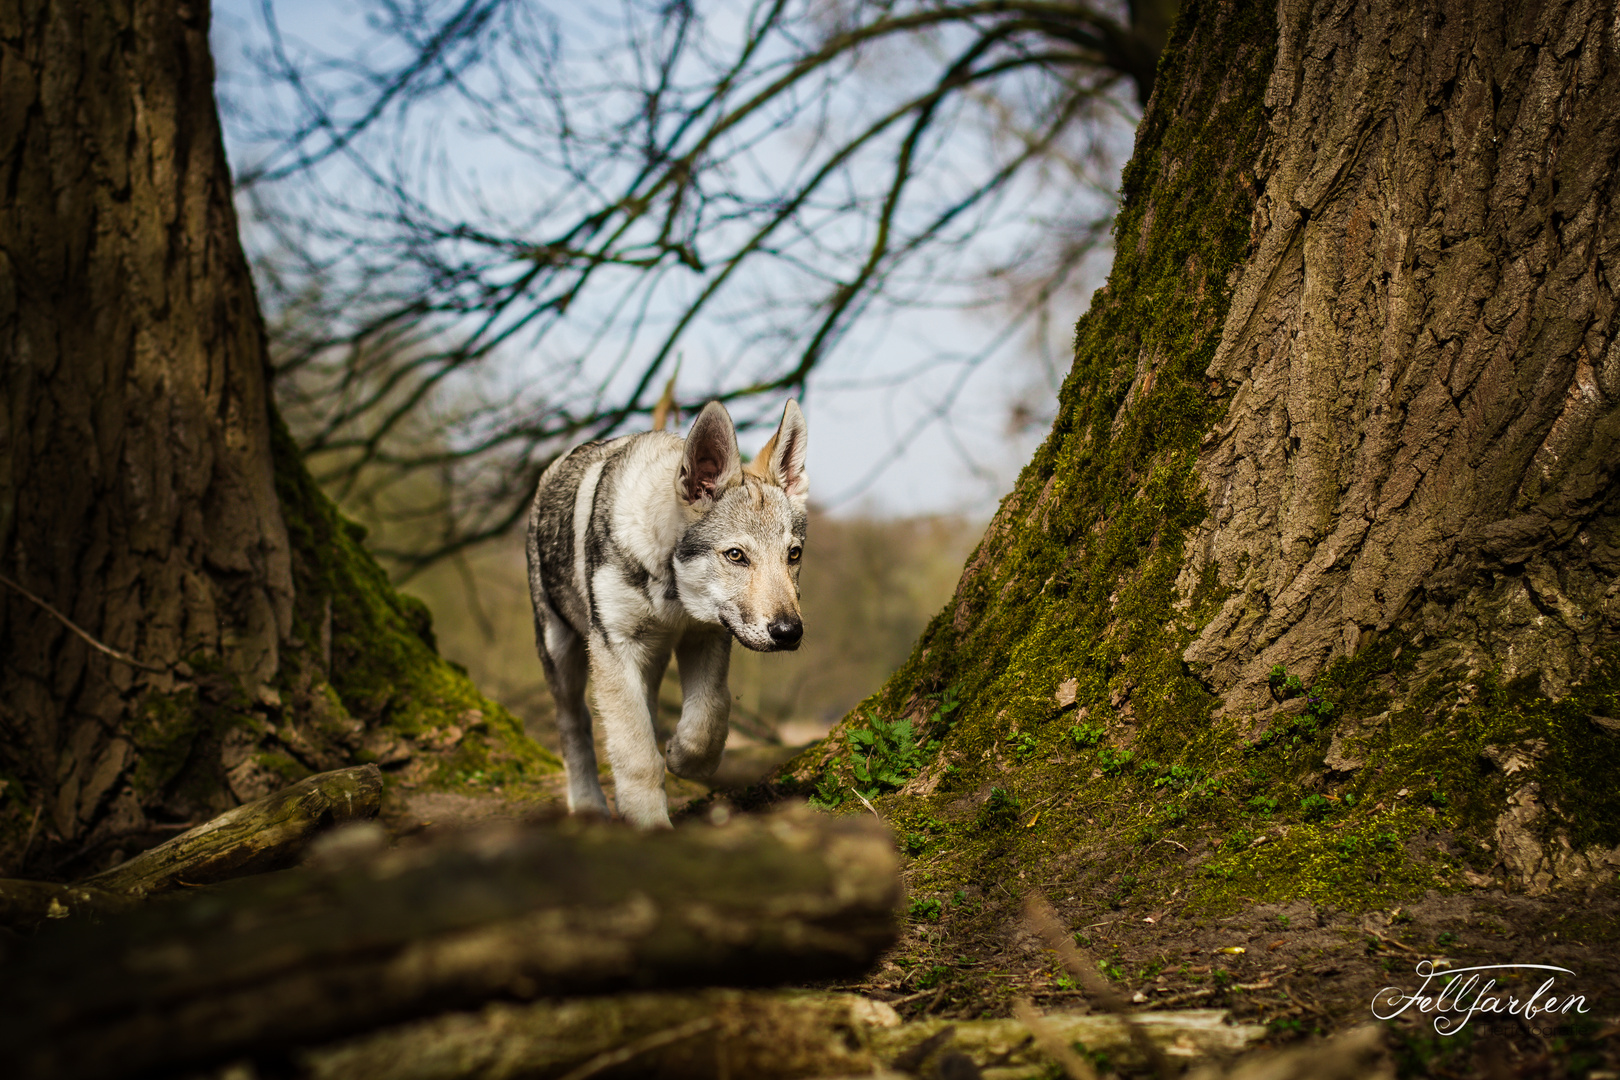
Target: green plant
{"x":914,"y":843}
{"x":1318,"y":707}
{"x":1315,"y":807}
{"x":829,"y":793}
{"x":1349,"y":847}
{"x":1064,"y":982}
{"x":932,"y":977}
{"x":1263,"y":806}
{"x":925,"y":908}
{"x":1114,"y":761}
{"x":885,"y":754}
{"x":1024,"y":745}
{"x":1446,"y":940}
{"x":1282,"y":920}
{"x":999,"y":810}
{"x":1086,"y":736}
{"x":1180,"y":778}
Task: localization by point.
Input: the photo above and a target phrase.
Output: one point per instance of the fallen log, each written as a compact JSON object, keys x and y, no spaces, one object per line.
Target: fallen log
{"x":764,"y":1035}
{"x":310,"y":955}
{"x":266,"y":834}
{"x":25,"y":904}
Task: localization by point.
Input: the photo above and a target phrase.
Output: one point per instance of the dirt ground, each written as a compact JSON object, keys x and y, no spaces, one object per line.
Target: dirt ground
{"x":1299,"y":969}
{"x":1302,"y":970}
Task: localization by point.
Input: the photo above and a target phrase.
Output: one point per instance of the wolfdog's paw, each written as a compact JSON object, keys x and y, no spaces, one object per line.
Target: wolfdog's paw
{"x":690,"y":765}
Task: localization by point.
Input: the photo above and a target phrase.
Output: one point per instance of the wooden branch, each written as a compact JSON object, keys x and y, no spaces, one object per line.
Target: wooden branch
{"x":757,"y":1034}
{"x":88,"y":638}
{"x":267,"y":834}
{"x":315,"y":954}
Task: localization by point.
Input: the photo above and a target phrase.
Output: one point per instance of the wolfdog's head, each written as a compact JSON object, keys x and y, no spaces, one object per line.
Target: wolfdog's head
{"x":738,"y":562}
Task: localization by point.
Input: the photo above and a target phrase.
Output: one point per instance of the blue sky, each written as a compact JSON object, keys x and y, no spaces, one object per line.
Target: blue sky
{"x":900,"y":422}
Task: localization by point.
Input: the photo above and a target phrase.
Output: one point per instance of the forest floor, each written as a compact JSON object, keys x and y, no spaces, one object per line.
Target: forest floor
{"x":1300,"y":969}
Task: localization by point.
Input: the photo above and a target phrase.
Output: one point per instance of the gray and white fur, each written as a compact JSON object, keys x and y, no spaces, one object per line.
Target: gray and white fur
{"x":648,"y":545}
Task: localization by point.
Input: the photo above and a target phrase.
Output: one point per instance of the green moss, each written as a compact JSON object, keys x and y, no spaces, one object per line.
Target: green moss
{"x":1076,"y":579}
{"x":384,"y":668}
{"x":164,"y":731}
{"x":283,"y":766}
{"x":1075,"y":576}
{"x":1142,"y":788}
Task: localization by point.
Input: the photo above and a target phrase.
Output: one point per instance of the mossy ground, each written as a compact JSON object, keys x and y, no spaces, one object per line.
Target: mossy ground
{"x":383,"y":667}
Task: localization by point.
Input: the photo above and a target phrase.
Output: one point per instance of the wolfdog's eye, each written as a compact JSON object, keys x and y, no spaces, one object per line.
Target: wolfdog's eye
{"x":793,"y":554}
{"x":736,"y":555}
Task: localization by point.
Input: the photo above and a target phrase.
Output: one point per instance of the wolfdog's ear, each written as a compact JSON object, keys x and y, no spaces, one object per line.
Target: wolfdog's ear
{"x":781,"y":461}
{"x":710,"y":463}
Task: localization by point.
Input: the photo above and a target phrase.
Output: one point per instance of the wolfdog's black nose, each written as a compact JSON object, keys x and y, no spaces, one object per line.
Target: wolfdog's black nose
{"x":786,"y":630}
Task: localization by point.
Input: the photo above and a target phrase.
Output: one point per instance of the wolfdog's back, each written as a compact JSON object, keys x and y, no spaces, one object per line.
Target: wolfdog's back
{"x":553,"y":536}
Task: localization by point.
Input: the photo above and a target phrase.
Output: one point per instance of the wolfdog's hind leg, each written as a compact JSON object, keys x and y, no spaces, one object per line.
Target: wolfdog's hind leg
{"x":700,"y":737}
{"x":562,"y":653}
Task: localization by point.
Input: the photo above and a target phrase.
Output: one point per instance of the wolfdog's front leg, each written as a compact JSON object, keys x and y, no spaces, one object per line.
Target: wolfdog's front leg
{"x":700,"y":738}
{"x":632,"y":746}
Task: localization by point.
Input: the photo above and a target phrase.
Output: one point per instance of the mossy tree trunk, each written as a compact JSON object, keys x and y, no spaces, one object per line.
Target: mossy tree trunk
{"x":1348,"y":411}
{"x":147,"y":491}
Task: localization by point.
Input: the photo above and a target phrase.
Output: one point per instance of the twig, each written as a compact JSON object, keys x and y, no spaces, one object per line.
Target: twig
{"x":116,"y":654}
{"x":32,"y":824}
{"x":602,"y":1062}
{"x":913,"y":997}
{"x":1391,"y":941}
{"x":869,"y":805}
{"x":1061,"y":1052}
{"x":1044,"y":921}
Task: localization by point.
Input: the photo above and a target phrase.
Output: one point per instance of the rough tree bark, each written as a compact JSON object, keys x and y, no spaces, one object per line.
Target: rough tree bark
{"x":1348,"y":411}
{"x":1425,"y":416}
{"x":147,"y":491}
{"x":138,"y":496}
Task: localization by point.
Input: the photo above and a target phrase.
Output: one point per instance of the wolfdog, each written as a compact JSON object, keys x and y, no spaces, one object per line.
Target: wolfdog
{"x":650,"y":544}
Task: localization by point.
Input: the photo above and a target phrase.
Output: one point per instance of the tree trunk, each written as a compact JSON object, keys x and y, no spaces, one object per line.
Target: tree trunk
{"x":138,"y":494}
{"x":1420,"y":350}
{"x":1329,"y":511}
{"x":149,"y":495}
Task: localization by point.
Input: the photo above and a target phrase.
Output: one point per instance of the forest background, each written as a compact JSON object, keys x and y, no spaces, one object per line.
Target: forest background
{"x":921,"y":415}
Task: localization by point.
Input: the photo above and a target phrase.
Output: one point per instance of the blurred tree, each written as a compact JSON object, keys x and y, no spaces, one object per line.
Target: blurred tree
{"x":784,"y":169}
